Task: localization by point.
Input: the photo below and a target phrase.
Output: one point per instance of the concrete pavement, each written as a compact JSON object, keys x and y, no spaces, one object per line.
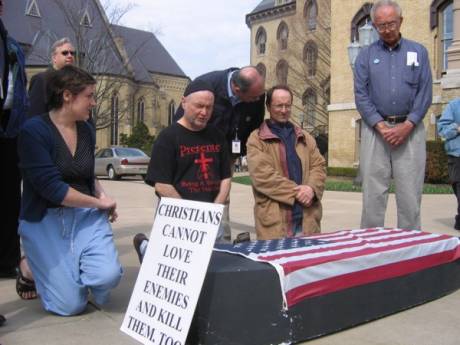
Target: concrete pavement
{"x":434,"y":323}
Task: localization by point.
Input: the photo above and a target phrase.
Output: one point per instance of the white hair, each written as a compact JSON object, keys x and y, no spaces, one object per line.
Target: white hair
{"x":59,"y":43}
{"x":382,"y":3}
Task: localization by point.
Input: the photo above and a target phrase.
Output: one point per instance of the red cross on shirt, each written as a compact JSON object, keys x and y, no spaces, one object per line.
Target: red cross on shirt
{"x":204,"y":162}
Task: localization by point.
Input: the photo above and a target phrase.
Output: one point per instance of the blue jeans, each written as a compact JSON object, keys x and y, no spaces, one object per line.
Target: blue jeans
{"x":71,"y":252}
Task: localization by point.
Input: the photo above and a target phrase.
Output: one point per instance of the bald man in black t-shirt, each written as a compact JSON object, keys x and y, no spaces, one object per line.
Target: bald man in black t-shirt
{"x":190,"y":160}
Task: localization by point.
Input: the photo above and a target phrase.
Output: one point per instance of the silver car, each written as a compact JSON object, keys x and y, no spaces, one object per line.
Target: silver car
{"x":116,"y":162}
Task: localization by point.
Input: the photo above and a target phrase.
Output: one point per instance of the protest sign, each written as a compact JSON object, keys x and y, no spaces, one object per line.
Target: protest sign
{"x":169,"y":282}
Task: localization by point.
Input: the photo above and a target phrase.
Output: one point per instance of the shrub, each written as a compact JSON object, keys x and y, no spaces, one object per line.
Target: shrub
{"x":436,"y":163}
{"x":341,"y":171}
{"x":140,"y":138}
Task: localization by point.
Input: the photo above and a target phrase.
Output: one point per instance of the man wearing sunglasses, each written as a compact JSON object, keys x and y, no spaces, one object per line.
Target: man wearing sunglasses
{"x":62,"y":54}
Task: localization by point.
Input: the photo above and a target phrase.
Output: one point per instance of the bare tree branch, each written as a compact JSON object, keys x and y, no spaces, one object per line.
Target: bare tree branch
{"x":100,"y":52}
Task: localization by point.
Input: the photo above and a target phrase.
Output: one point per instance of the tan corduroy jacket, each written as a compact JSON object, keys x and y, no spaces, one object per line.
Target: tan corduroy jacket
{"x":273,"y":190}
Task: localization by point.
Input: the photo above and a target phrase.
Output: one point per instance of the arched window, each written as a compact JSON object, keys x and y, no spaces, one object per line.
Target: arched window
{"x":93,"y":115}
{"x":311,"y":14}
{"x":282,"y":68}
{"x":140,"y":110}
{"x":442,"y":20}
{"x":282,"y":36}
{"x":310,"y":57}
{"x":361,"y":17}
{"x":262,"y":69}
{"x":326,"y":87}
{"x":155,"y":105}
{"x":327,"y":96}
{"x":171,"y":111}
{"x":114,"y":119}
{"x":309,"y":104}
{"x":261,"y":40}
{"x":447,"y":31}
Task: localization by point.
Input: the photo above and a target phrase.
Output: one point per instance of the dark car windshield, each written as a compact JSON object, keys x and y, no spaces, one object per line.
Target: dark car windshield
{"x":128,"y":152}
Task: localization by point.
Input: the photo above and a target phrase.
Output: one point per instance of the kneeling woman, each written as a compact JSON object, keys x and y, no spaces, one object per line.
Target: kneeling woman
{"x":64,"y":222}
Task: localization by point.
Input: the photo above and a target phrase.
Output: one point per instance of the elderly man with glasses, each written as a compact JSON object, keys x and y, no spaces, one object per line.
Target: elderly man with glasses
{"x":287,"y":173}
{"x":393,"y":91}
{"x":62,"y":54}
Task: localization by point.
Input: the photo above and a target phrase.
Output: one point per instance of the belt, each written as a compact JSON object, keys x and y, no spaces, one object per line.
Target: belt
{"x":395,"y":119}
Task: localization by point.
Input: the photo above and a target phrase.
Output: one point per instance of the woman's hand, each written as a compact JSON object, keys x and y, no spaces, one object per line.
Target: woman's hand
{"x":109,"y":204}
{"x":113,"y":215}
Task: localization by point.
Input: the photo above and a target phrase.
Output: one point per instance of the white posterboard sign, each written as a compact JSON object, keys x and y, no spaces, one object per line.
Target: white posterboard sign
{"x":162,"y":304}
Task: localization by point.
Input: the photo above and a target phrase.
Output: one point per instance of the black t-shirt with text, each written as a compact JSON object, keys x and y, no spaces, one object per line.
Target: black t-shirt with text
{"x":194,"y":163}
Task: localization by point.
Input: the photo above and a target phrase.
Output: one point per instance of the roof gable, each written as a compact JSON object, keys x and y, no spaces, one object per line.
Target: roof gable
{"x":95,"y":44}
{"x":95,"y":40}
{"x":264,"y":5}
{"x":32,"y":9}
{"x":147,"y":53}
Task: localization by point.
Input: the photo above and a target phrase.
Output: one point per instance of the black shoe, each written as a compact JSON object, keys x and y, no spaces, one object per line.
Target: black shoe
{"x":242,"y":237}
{"x":2,"y":320}
{"x":457,"y":222}
{"x":137,"y":241}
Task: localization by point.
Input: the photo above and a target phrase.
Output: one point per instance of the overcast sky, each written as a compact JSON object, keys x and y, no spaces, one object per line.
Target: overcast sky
{"x":202,"y":36}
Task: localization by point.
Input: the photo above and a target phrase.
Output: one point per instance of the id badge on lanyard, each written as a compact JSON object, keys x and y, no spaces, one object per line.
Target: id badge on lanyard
{"x":236,"y":144}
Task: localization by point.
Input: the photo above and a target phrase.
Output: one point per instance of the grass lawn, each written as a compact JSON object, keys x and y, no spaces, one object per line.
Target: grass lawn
{"x":345,"y":184}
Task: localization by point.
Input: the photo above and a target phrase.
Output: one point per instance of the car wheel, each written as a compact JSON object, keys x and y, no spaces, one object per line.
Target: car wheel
{"x":112,"y":174}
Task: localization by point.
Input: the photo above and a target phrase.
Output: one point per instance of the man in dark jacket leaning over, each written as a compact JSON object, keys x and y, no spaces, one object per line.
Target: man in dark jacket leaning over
{"x":238,"y":110}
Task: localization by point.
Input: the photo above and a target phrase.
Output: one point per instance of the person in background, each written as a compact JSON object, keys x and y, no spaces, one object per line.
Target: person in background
{"x":287,"y":173}
{"x":62,"y":54}
{"x":238,"y":110}
{"x":65,"y":213}
{"x":449,"y":129}
{"x":393,"y":91}
{"x":13,"y":112}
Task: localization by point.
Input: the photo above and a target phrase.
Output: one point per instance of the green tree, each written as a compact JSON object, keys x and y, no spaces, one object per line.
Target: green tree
{"x":140,"y":138}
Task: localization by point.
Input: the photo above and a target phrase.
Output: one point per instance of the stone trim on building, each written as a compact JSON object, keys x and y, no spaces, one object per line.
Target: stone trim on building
{"x":271,"y":13}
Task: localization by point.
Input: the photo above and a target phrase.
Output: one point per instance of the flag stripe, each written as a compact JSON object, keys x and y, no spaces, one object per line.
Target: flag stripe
{"x":319,"y":264}
{"x":356,"y":264}
{"x":355,"y":243}
{"x":371,"y":275}
{"x":336,"y":242}
{"x":362,"y":251}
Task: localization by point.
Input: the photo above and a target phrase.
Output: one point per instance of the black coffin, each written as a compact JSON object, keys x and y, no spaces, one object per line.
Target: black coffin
{"x":241,"y":303}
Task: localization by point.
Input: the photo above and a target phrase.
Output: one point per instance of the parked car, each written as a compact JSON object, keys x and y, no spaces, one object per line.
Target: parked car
{"x":116,"y":162}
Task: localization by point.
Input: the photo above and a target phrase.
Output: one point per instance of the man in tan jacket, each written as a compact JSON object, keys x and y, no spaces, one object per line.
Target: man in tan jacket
{"x":287,"y":173}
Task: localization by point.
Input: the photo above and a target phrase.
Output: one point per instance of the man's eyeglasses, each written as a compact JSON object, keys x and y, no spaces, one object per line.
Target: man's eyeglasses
{"x":386,"y":26}
{"x":282,"y":106}
{"x":67,"y":52}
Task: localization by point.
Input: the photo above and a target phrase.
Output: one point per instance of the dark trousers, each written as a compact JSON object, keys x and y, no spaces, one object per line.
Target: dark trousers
{"x":456,"y":189}
{"x":10,"y":195}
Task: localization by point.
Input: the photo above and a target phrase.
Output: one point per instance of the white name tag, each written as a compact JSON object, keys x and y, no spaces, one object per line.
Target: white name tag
{"x":236,"y":146}
{"x":412,"y":59}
